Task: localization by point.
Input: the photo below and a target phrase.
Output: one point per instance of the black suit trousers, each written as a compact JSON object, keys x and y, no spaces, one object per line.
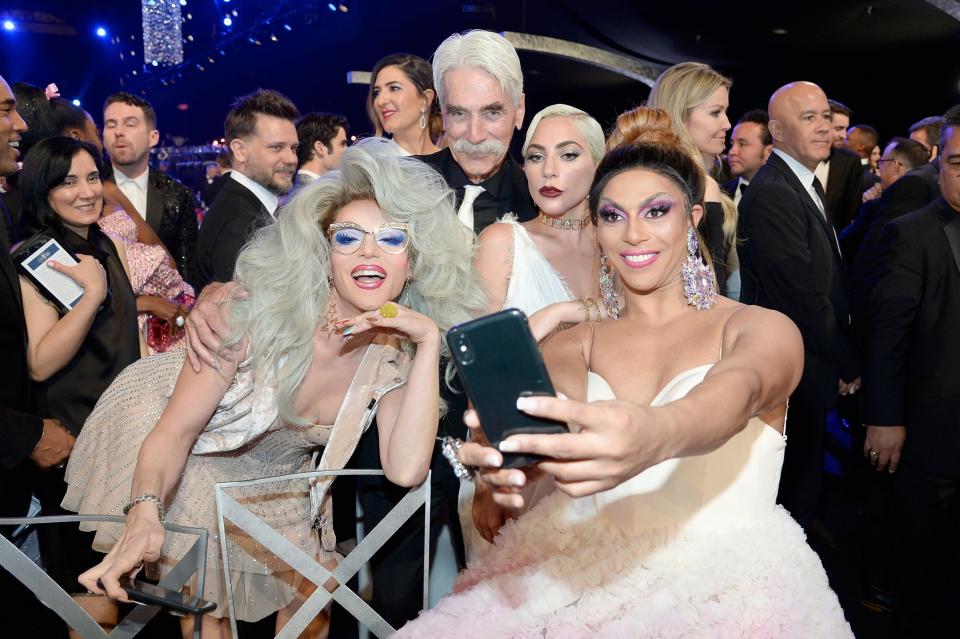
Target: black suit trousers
{"x":927,"y":561}
{"x":802,"y":475}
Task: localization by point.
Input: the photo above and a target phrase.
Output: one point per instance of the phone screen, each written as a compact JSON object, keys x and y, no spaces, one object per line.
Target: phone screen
{"x":64,"y":289}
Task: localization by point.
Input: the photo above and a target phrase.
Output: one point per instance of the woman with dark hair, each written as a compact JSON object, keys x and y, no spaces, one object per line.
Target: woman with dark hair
{"x":665,"y":522}
{"x":74,"y":355}
{"x":402,"y":102}
{"x":163,"y":297}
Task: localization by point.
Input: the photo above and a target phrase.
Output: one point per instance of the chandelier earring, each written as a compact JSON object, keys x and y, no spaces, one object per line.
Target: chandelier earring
{"x":699,"y":285}
{"x":608,"y":293}
{"x":423,"y":120}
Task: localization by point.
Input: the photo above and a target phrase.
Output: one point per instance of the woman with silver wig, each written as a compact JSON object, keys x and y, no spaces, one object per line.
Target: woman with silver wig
{"x":348,"y":294}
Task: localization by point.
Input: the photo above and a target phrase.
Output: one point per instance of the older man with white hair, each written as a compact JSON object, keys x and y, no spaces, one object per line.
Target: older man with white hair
{"x":480,"y":88}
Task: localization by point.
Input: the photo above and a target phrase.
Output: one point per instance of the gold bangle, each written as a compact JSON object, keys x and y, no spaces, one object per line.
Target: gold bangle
{"x":585,"y":308}
{"x":593,"y":309}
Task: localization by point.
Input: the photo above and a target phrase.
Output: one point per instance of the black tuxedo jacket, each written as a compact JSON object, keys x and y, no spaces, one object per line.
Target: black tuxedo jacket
{"x":913,"y":346}
{"x":229,"y":224}
{"x":860,"y":241}
{"x":844,"y":187}
{"x":20,"y":430}
{"x":506,"y":190}
{"x":730,"y":186}
{"x":172,"y":213}
{"x":789,"y":262}
{"x":914,"y":190}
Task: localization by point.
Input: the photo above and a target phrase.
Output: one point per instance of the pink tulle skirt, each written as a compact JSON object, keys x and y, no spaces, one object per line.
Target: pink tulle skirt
{"x":562,"y":572}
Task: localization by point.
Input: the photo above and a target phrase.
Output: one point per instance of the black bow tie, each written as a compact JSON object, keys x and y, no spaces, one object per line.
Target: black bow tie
{"x":743,"y":187}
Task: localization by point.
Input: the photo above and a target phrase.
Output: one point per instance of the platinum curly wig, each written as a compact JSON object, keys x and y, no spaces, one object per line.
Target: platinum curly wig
{"x":285,"y":266}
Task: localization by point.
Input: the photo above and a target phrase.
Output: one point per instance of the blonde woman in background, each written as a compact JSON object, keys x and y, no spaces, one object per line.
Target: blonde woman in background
{"x":696,"y":98}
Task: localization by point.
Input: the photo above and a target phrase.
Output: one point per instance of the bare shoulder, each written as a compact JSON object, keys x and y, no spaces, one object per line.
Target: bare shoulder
{"x":755,"y":321}
{"x":498,"y":235}
{"x":712,"y":193}
{"x":569,"y":344}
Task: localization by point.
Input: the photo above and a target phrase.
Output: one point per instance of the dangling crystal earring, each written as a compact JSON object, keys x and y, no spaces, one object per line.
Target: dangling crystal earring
{"x":698,"y":282}
{"x":608,"y":294}
{"x":423,"y":120}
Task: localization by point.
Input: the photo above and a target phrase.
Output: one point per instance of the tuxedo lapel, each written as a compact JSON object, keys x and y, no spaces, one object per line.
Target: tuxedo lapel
{"x":808,"y":204}
{"x":952,"y":231}
{"x":154,"y":205}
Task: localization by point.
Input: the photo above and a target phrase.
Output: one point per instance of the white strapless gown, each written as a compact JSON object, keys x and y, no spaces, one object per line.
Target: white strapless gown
{"x":691,"y":547}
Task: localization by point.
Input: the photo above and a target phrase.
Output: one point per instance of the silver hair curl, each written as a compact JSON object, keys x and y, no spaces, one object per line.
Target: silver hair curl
{"x":285,"y":266}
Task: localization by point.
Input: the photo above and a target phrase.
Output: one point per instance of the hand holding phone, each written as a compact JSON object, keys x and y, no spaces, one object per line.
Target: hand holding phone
{"x":148,"y":594}
{"x":498,"y":360}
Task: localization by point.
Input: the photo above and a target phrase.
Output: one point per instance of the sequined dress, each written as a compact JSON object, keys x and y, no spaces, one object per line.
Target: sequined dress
{"x":150,"y":274}
{"x":244,"y":439}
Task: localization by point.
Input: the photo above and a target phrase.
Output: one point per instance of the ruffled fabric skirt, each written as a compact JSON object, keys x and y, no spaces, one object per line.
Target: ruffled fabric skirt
{"x":101,"y":469}
{"x":560,"y":571}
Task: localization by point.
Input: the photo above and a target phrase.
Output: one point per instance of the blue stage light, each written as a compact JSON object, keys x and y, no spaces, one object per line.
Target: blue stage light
{"x":76,"y":103}
{"x":227,"y":21}
{"x":332,"y":7}
{"x":101,"y":32}
{"x":9,"y":25}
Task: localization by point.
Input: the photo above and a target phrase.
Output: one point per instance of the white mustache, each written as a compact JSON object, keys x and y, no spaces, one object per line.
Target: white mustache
{"x":487,"y":147}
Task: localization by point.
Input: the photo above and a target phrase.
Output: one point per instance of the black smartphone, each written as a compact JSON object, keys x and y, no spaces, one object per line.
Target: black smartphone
{"x":498,"y":361}
{"x":144,"y":593}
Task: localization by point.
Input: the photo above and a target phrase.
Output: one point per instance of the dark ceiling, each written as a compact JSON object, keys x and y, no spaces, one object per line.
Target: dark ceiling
{"x":889,"y":60}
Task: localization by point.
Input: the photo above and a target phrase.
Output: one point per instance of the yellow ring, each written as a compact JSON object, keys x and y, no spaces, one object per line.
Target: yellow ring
{"x":389,"y":309}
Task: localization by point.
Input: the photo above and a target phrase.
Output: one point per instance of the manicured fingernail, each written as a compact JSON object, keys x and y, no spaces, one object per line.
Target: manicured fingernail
{"x":508,"y":446}
{"x":525,"y":403}
{"x":349,"y":330}
{"x":492,"y":461}
{"x":562,"y":396}
{"x":517,"y":480}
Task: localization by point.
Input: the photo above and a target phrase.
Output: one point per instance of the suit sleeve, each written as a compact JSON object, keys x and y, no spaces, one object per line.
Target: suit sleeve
{"x":234,"y":234}
{"x":21,"y":433}
{"x":777,"y":242}
{"x":187,"y":237}
{"x":891,"y":308}
{"x":850,"y":200}
{"x":852,"y":235}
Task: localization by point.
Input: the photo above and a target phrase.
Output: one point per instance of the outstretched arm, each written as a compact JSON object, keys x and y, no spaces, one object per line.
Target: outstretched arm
{"x":159,"y":466}
{"x":618,"y":439}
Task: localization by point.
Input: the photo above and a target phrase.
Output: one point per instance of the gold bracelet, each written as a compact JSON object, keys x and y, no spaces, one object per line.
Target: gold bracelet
{"x":585,"y":308}
{"x":594,"y":308}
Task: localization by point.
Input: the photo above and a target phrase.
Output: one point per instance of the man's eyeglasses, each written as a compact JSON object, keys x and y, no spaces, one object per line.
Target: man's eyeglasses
{"x":347,"y":237}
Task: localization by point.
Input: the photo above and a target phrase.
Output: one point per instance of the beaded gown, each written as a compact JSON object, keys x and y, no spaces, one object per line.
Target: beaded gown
{"x":245,"y":439}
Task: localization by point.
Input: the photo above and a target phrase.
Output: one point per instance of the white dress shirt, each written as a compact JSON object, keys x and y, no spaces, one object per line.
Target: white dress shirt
{"x":823,"y":173}
{"x":268,"y":199}
{"x":806,"y":177}
{"x":134,"y":188}
{"x":737,"y":192}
